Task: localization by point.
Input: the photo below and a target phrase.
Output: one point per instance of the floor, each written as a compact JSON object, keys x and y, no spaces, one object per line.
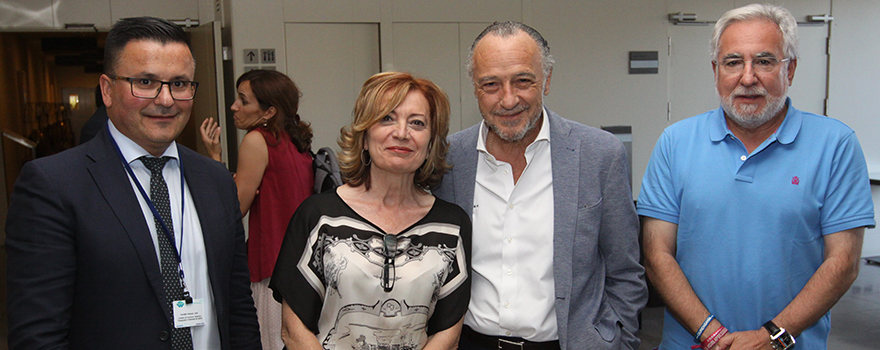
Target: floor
{"x":854,"y":320}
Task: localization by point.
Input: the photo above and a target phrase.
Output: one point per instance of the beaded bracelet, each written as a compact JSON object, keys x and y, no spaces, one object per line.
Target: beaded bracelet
{"x":703,"y":327}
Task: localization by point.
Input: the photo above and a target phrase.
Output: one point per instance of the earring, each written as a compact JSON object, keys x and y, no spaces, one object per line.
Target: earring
{"x":265,"y":123}
{"x":365,"y":158}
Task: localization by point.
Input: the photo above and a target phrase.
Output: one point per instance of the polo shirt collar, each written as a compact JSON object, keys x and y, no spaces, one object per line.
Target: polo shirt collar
{"x":785,"y":134}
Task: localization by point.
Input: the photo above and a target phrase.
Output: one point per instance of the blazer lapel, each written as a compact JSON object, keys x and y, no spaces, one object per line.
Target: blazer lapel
{"x":565,"y":159}
{"x":113,"y":182}
{"x":466,"y":169}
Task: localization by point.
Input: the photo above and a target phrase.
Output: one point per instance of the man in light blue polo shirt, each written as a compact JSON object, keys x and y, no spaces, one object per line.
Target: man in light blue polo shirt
{"x":754,"y":213}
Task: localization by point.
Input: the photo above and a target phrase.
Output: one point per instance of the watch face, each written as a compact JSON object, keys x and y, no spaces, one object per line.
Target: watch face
{"x":786,"y":341}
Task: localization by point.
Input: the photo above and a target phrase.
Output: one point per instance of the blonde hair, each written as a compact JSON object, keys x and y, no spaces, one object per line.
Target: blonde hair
{"x":379,"y":96}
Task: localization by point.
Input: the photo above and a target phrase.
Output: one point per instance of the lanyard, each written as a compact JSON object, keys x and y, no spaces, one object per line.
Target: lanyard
{"x":158,"y":217}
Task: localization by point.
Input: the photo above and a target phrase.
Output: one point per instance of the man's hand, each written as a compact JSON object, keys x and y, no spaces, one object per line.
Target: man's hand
{"x":747,"y":340}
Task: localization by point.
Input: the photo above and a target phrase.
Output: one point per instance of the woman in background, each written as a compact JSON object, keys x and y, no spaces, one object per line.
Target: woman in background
{"x":380,"y":263}
{"x":274,"y":176}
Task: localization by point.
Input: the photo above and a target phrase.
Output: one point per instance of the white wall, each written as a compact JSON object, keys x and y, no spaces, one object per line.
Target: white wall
{"x":590,"y":40}
{"x":852,"y":84}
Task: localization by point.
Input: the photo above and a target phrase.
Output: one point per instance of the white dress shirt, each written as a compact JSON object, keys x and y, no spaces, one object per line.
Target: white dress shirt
{"x":512,"y":291}
{"x":187,"y":231}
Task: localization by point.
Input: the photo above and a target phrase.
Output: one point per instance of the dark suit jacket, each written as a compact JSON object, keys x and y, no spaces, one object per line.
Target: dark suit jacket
{"x":94,"y":125}
{"x":82,"y":268}
{"x":600,"y":285}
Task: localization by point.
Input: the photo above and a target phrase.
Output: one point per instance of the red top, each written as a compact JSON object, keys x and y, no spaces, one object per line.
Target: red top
{"x":287,"y":181}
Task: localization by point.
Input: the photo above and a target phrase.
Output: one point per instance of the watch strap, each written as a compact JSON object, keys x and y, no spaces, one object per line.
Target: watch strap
{"x":780,"y":339}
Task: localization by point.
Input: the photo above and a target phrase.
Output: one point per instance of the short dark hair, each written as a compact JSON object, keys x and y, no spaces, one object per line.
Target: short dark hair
{"x":131,"y":29}
{"x":275,"y":89}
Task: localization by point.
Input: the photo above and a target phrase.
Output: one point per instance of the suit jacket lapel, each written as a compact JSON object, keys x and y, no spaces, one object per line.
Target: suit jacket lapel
{"x":466,"y":169}
{"x":565,"y":159}
{"x":113,"y":182}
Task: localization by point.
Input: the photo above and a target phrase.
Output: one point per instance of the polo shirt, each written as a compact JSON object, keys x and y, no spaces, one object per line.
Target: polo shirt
{"x":751,"y":226}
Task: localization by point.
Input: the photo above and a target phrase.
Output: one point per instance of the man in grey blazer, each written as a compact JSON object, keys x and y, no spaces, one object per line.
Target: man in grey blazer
{"x":573,"y":282}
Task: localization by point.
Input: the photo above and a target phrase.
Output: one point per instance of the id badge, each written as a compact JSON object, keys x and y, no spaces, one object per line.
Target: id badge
{"x":189,"y":315}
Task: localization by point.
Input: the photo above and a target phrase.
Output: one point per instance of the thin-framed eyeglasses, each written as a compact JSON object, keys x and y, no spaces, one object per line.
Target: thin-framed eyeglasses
{"x":389,"y":274}
{"x":181,"y":90}
{"x":734,"y":65}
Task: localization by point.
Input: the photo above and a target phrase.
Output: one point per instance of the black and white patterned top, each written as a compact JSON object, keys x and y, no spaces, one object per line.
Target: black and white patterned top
{"x":330,"y":267}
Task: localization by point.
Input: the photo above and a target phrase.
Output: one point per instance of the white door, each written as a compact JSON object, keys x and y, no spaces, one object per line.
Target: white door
{"x":691,"y":81}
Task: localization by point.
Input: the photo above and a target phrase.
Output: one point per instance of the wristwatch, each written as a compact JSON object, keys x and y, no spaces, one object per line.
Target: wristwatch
{"x":780,"y":339}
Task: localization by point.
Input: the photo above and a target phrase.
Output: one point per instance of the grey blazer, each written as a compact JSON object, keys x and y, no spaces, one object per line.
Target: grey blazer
{"x":600,"y":285}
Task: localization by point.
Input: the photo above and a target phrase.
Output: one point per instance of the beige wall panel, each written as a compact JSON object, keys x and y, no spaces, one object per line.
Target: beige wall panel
{"x":438,"y":62}
{"x":26,"y":14}
{"x":95,"y":12}
{"x":470,"y":112}
{"x":457,"y":10}
{"x":167,"y":9}
{"x":808,"y":89}
{"x":705,"y":10}
{"x":800,"y":9}
{"x":591,"y":83}
{"x":330,"y":62}
{"x":853,"y":86}
{"x":333,"y":10}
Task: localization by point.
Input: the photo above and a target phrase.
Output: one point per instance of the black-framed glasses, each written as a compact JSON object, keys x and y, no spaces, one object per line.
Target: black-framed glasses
{"x":389,"y":274}
{"x":181,"y":90}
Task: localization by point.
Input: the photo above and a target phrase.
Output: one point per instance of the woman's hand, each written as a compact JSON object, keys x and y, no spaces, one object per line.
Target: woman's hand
{"x":210,"y":131}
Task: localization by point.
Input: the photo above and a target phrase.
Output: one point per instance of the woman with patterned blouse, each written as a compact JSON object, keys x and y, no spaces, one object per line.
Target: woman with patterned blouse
{"x":380,"y":263}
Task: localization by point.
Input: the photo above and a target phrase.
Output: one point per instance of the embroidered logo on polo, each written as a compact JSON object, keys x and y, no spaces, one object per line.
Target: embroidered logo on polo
{"x":795,"y":181}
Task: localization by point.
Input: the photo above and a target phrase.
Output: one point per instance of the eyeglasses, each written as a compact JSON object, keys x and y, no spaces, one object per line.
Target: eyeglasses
{"x":734,"y":65}
{"x":388,"y":271}
{"x":181,"y":90}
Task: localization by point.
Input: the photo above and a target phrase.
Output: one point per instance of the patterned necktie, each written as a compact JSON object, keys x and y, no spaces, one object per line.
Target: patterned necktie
{"x":181,"y":339}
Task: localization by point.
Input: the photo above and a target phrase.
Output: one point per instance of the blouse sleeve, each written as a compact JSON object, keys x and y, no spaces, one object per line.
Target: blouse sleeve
{"x":300,"y":252}
{"x":456,"y":291}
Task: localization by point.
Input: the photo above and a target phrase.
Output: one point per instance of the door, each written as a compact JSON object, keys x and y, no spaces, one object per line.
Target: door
{"x":210,"y":98}
{"x":329,"y":62}
{"x":691,"y":80}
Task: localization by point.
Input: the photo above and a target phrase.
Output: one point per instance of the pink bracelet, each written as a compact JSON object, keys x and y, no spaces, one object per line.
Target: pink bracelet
{"x":713,"y":339}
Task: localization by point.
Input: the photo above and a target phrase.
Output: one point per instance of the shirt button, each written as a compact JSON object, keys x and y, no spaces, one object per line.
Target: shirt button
{"x":509,"y":239}
{"x":743,"y":158}
{"x":509,"y":272}
{"x":508,"y":333}
{"x":163,"y":335}
{"x":505,"y":172}
{"x":511,"y":206}
{"x":506,"y":305}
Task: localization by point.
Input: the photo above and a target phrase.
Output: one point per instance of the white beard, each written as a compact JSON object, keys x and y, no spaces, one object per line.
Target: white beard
{"x":747,"y":115}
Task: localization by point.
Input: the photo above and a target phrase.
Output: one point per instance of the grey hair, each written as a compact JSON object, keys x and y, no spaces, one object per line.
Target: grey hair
{"x":509,"y":28}
{"x":776,"y":14}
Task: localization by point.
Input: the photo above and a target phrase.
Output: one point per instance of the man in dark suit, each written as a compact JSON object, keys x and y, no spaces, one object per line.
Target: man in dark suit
{"x":89,"y":228}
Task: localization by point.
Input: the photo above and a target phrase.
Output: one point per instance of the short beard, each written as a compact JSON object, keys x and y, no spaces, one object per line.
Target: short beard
{"x":518,"y":136}
{"x":747,"y":116}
